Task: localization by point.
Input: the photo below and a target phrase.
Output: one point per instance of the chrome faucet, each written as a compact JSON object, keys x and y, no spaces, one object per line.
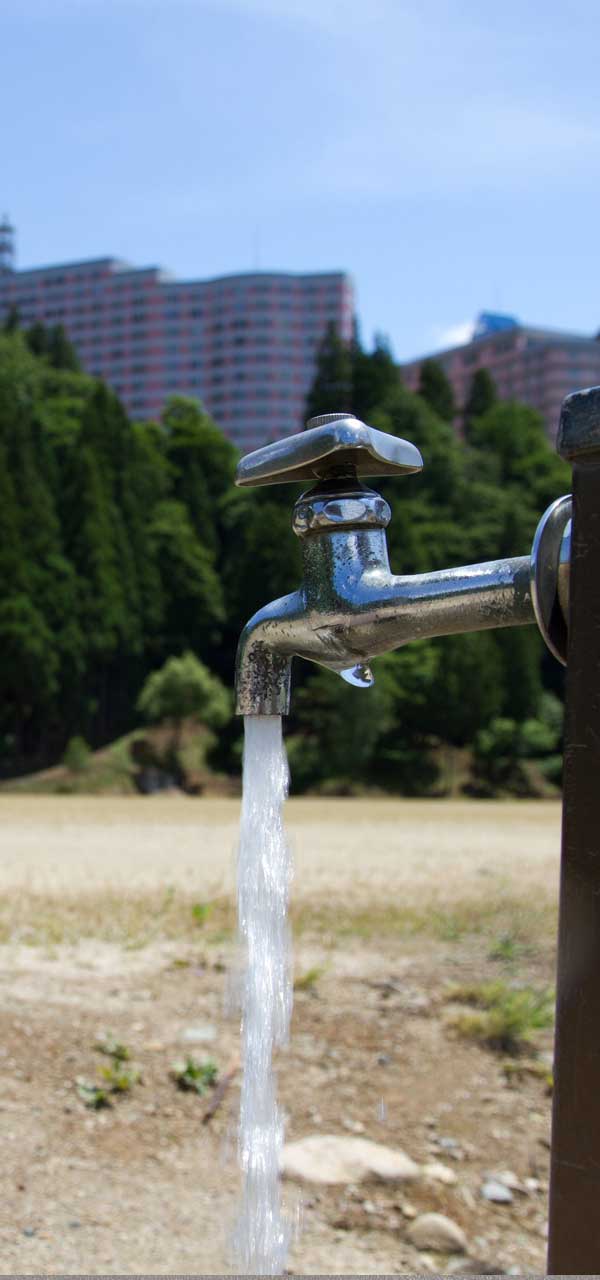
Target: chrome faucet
{"x":350,"y":607}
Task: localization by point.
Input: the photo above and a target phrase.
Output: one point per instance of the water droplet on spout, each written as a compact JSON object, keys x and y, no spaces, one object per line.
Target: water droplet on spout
{"x":361,"y":676}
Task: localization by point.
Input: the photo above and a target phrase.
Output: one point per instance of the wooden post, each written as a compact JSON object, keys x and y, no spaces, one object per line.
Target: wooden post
{"x":574,"y":1226}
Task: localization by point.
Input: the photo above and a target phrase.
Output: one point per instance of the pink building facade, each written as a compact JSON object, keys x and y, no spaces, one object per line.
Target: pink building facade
{"x":245,"y":345}
{"x":537,"y":366}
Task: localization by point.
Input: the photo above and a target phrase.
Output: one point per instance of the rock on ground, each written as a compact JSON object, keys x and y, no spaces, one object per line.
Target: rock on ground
{"x":496,"y":1191}
{"x":437,"y":1172}
{"x":331,"y":1159}
{"x":436,"y":1231}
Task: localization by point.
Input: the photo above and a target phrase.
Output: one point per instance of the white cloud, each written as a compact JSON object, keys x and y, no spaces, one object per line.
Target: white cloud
{"x":454,"y":336}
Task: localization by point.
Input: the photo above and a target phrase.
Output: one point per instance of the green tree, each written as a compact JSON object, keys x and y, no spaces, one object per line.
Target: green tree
{"x":37,"y":339}
{"x":183,"y":688}
{"x":202,"y":463}
{"x":436,"y":390}
{"x":191,"y":588}
{"x":60,"y":350}
{"x":331,"y":391}
{"x":12,"y":319}
{"x":482,"y":396}
{"x":375,"y":376}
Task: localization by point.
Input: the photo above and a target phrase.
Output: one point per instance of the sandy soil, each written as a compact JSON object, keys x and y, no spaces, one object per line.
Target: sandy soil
{"x":394,"y":902}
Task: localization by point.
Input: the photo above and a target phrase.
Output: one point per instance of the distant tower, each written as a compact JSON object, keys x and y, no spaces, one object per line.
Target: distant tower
{"x":7,"y":246}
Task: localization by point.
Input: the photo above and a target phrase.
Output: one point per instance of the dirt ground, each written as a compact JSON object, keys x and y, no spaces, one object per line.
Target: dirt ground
{"x":116,"y":918}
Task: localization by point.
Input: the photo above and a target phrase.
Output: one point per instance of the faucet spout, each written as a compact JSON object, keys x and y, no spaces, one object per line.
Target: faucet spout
{"x":264,"y":658}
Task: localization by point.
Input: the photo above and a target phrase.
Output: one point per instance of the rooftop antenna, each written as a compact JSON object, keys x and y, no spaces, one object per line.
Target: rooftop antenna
{"x":7,"y":245}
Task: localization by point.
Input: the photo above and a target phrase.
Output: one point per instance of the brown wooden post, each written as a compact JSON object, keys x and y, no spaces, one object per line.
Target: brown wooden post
{"x":574,"y":1227}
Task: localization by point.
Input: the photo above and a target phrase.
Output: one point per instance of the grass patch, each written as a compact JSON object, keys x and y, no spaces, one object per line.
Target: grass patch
{"x":131,"y":920}
{"x":503,"y":1017}
{"x":308,"y":981}
{"x":137,"y":919}
{"x":517,"y":1071}
{"x":509,"y":948}
{"x":494,"y":916}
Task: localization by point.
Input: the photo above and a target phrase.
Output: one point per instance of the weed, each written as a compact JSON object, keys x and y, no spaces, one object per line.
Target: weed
{"x":196,"y":1076}
{"x":120,"y":1079}
{"x":201,"y":912}
{"x":504,"y":1017}
{"x":113,"y":1048}
{"x":92,"y":1095}
{"x":308,"y":981}
{"x":116,"y":1078}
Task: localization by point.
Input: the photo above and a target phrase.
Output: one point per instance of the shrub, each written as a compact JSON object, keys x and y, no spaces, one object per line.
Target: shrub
{"x":77,"y":755}
{"x":504,"y":1017}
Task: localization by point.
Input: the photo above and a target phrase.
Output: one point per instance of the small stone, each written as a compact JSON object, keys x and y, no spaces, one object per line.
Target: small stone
{"x":496,"y":1191}
{"x":532,"y":1185}
{"x":408,"y":1210}
{"x":369,"y":1207}
{"x":331,"y":1159}
{"x":447,"y":1144}
{"x":74,"y":1224}
{"x":436,"y":1231}
{"x":29,"y":1231}
{"x":437,"y":1172}
{"x":508,"y":1179}
{"x":353,"y":1126}
{"x":199,"y":1035}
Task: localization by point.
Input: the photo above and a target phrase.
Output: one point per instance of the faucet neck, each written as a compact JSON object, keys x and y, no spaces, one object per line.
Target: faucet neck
{"x":336,"y":505}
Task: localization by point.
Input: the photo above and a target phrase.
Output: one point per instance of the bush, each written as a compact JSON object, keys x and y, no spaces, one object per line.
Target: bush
{"x":504,"y":1017}
{"x":184,"y":687}
{"x":77,"y":755}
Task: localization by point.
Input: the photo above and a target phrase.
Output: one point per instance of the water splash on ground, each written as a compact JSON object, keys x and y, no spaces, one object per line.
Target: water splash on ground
{"x":262,"y":1233}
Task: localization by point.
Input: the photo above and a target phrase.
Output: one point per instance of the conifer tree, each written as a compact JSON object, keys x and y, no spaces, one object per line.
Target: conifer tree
{"x":482,"y":396}
{"x":60,"y":350}
{"x":435,"y":388}
{"x":375,"y":376}
{"x":37,"y":339}
{"x":331,"y":391}
{"x":12,"y":321}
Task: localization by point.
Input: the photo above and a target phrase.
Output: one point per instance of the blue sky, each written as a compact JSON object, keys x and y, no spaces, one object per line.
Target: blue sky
{"x":444,"y":152}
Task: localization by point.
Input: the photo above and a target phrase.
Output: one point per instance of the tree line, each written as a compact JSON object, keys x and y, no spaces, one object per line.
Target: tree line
{"x":124,"y":544}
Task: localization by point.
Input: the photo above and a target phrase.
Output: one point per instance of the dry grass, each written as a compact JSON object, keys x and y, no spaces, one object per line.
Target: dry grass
{"x":136,"y":870}
{"x":137,"y":920}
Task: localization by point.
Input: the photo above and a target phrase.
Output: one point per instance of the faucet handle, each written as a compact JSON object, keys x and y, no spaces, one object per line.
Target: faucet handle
{"x":334,"y":446}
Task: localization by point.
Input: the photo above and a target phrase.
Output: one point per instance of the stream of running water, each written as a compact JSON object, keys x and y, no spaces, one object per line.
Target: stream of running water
{"x":262,"y":1233}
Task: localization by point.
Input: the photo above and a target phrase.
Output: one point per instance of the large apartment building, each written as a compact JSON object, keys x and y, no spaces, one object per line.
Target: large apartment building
{"x":245,"y":345}
{"x":537,"y":366}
